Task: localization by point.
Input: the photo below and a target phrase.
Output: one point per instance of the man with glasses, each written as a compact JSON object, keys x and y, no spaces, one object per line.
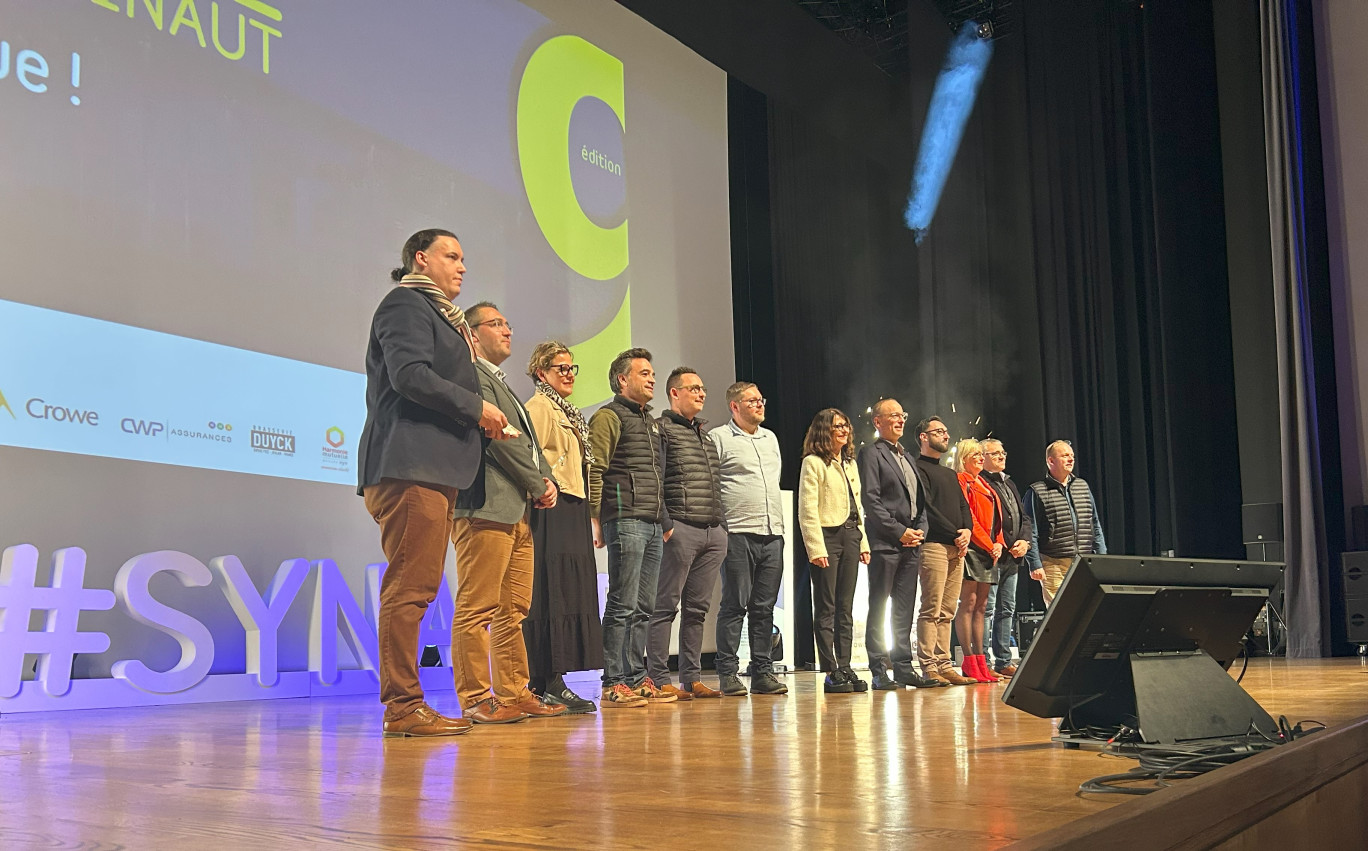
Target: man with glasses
{"x":1065,"y":521}
{"x":749,"y":459}
{"x":894,"y":500}
{"x":942,"y":569}
{"x":629,"y":516}
{"x":493,"y":541}
{"x":1016,"y":527}
{"x":693,"y":554}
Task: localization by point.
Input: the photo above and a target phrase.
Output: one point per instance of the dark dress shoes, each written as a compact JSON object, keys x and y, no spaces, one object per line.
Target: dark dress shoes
{"x":573,"y":703}
{"x":916,"y":680}
{"x":883,"y":683}
{"x":854,"y":679}
{"x":425,"y":721}
{"x":836,"y":683}
{"x":491,"y":711}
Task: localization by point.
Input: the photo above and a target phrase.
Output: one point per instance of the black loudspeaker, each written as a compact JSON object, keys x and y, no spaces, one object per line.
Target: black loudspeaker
{"x":1354,"y":572}
{"x":1026,"y":625}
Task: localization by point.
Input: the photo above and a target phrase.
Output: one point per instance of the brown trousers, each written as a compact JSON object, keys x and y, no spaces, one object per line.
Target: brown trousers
{"x":493,"y":595}
{"x":1055,"y":570}
{"x":415,"y":523}
{"x":942,"y":574}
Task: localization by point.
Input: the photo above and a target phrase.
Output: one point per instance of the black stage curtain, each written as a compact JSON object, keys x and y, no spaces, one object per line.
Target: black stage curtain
{"x":1073,"y":284}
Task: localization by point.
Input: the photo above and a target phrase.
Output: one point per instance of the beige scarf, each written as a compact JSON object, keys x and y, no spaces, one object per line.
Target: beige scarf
{"x":445,"y":306}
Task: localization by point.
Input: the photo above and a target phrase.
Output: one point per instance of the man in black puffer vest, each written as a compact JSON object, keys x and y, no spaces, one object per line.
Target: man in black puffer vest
{"x":693,"y":555}
{"x":1065,"y":521}
{"x":627,"y":508}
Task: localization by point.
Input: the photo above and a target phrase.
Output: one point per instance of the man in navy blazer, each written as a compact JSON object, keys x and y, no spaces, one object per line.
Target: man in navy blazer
{"x":494,"y":548}
{"x":894,"y":504}
{"x":419,"y":448}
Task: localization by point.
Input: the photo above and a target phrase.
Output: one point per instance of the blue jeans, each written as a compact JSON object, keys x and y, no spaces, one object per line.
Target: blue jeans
{"x":751,"y":574}
{"x":997,"y":624}
{"x":634,"y":548}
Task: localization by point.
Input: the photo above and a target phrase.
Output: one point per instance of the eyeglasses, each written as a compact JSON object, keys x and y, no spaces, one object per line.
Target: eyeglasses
{"x":997,"y":454}
{"x":840,"y":427}
{"x":944,"y":431}
{"x":754,"y":403}
{"x":493,"y":323}
{"x":897,"y":418}
{"x":565,"y":369}
{"x":694,"y":388}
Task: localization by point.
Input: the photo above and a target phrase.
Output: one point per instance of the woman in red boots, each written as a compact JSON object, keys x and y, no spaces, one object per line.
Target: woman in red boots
{"x":980,"y":562}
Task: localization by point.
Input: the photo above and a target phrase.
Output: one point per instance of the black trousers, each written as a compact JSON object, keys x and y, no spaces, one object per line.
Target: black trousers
{"x":833,"y":596}
{"x":892,"y":576}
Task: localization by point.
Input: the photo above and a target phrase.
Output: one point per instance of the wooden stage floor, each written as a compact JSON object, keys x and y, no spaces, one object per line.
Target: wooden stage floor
{"x":883,"y":769}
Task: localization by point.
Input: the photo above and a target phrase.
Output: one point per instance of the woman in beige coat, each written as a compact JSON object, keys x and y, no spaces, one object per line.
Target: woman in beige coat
{"x":562,"y":630}
{"x":833,"y":532}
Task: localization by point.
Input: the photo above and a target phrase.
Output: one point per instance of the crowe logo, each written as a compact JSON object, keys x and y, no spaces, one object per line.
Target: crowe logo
{"x":5,"y":404}
{"x":335,"y":437}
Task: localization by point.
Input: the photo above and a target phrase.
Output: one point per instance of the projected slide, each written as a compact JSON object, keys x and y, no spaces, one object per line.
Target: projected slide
{"x":97,"y":388}
{"x":202,"y":202}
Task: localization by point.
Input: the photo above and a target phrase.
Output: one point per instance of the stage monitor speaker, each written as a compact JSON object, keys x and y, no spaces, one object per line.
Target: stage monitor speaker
{"x":1354,"y":574}
{"x":1026,"y":625}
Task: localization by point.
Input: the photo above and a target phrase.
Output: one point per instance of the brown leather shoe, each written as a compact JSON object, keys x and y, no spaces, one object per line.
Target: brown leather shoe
{"x":679,"y":693}
{"x":955,"y":679}
{"x":491,"y":711}
{"x":1006,"y":671}
{"x":534,"y":707}
{"x":936,"y":676}
{"x":425,"y":721}
{"x":697,"y":689}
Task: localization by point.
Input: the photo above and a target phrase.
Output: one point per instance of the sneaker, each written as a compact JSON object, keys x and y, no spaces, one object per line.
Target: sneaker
{"x":854,"y":679}
{"x":731,"y":685}
{"x":648,"y":690}
{"x":620,"y":697}
{"x":767,"y":683}
{"x":836,"y":683}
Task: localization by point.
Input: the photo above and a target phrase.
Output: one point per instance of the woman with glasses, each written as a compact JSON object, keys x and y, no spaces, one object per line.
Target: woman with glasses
{"x":833,"y":532}
{"x":562,"y":631}
{"x":980,"y":561}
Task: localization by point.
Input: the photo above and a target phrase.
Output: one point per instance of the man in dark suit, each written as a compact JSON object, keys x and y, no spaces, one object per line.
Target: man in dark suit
{"x":494,"y":548}
{"x":894,"y":501}
{"x":420,"y":446}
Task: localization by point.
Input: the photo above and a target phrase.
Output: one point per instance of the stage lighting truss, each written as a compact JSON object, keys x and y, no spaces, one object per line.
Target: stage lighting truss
{"x":991,"y":18}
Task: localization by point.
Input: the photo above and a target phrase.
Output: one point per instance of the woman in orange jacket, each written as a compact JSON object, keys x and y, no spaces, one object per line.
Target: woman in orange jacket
{"x":980,"y":562}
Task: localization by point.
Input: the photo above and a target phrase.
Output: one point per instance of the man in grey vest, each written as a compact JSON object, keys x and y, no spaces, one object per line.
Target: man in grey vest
{"x":694,"y":553}
{"x":1065,"y":522}
{"x":627,"y":509}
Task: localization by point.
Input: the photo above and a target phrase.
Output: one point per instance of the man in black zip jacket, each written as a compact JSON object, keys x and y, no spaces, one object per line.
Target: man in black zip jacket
{"x":627,"y":507}
{"x":942,"y":568}
{"x":1016,"y":527}
{"x":693,"y":555}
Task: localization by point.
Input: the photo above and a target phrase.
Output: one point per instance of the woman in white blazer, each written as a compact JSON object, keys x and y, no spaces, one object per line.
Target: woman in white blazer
{"x":833,"y":532}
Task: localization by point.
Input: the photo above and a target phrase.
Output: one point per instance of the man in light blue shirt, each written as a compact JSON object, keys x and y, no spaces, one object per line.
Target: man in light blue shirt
{"x":751,"y":574}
